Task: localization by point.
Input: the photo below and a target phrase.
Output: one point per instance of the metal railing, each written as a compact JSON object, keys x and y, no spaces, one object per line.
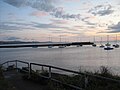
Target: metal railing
{"x":86,"y":76}
{"x":15,"y":63}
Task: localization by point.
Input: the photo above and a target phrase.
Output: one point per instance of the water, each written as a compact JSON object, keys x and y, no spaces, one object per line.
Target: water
{"x":86,"y":57}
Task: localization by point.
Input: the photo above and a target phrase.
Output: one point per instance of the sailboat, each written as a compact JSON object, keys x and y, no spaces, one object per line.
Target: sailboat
{"x":116,"y":45}
{"x":101,"y":45}
{"x":94,"y":45}
{"x":108,"y":45}
{"x":50,"y":40}
{"x":61,"y":46}
{"x":79,"y":40}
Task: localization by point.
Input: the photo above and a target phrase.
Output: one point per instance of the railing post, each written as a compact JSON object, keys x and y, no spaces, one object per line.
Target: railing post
{"x":16,"y":63}
{"x":42,"y":69}
{"x":86,"y":81}
{"x":49,"y":72}
{"x":7,"y":64}
{"x":29,"y":70}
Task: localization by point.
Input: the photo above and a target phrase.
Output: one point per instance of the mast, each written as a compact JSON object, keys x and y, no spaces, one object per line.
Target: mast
{"x":101,"y":41}
{"x":108,"y":39}
{"x":116,"y":38}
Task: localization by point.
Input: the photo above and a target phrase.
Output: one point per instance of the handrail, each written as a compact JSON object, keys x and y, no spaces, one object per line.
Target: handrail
{"x":14,"y":61}
{"x":76,"y":72}
{"x":67,"y":70}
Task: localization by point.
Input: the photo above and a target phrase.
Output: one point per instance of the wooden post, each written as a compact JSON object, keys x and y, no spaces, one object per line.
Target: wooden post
{"x":16,"y":64}
{"x":7,"y":64}
{"x":86,"y":81}
{"x":49,"y":72}
{"x":42,"y":69}
{"x":16,"y":67}
{"x":29,"y":70}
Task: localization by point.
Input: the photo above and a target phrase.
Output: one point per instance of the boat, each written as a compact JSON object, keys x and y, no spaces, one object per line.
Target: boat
{"x":34,"y":46}
{"x":116,"y":45}
{"x":94,"y":45}
{"x":50,"y":46}
{"x":79,"y":45}
{"x":108,"y":48}
{"x":108,"y":45}
{"x":61,"y":46}
{"x":50,"y":40}
{"x":101,"y":45}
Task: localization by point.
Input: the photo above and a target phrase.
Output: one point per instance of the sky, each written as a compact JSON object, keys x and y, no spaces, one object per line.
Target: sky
{"x":72,"y":20}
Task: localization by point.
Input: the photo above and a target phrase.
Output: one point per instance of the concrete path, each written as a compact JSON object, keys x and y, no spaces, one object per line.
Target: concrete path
{"x":16,"y":80}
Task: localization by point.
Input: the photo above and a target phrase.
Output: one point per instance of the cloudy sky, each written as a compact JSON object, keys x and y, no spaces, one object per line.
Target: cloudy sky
{"x":73,"y":20}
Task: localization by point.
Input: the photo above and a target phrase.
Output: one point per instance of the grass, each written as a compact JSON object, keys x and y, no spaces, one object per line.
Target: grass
{"x":94,"y":83}
{"x":4,"y":85}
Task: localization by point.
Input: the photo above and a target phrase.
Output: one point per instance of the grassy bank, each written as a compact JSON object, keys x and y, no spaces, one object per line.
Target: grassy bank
{"x":4,"y":85}
{"x":94,"y":83}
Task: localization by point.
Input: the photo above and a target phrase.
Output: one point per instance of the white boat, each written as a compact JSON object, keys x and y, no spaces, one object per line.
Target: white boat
{"x":50,"y":46}
{"x":108,"y":45}
{"x":116,"y":45}
{"x":108,"y":48}
{"x":50,"y":41}
{"x":101,"y":45}
{"x":94,"y":45}
{"x":61,"y":46}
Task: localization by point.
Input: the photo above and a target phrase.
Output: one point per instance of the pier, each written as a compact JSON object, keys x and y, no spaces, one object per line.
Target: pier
{"x":46,"y":44}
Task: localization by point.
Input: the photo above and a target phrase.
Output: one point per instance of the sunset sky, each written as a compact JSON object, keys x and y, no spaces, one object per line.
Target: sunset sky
{"x":73,"y":20}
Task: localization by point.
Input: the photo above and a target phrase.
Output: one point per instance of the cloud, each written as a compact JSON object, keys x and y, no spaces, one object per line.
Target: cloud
{"x":16,"y":3}
{"x":87,"y":22}
{"x":50,"y":25}
{"x":101,"y":10}
{"x":8,"y":27}
{"x":71,"y":0}
{"x":42,"y":5}
{"x":60,"y":13}
{"x":45,"y":6}
{"x":14,"y":26}
{"x":114,"y":28}
{"x":59,"y":21}
{"x":12,"y":38}
{"x":39,"y":13}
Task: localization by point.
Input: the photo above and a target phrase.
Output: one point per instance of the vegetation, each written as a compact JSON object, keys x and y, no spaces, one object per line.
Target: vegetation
{"x":94,"y":83}
{"x":4,"y":85}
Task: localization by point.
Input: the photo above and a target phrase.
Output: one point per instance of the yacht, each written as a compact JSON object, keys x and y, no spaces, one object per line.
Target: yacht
{"x":61,"y":46}
{"x":108,"y":48}
{"x":116,"y":45}
{"x":101,"y":45}
{"x":50,"y":41}
{"x":94,"y":45}
{"x":108,"y":45}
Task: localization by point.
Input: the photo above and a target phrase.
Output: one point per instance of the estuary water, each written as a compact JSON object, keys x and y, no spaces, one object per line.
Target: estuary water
{"x":85,"y":57}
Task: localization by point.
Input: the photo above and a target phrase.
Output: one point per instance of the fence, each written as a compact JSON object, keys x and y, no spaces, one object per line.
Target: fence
{"x":85,"y":75}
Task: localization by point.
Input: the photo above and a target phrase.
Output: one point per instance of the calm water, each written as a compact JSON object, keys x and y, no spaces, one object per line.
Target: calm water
{"x":86,"y":57}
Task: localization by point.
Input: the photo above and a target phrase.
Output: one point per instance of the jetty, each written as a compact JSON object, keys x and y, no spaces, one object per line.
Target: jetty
{"x":45,"y":45}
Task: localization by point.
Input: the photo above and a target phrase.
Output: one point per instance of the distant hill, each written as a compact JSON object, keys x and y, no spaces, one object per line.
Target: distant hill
{"x":16,"y":42}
